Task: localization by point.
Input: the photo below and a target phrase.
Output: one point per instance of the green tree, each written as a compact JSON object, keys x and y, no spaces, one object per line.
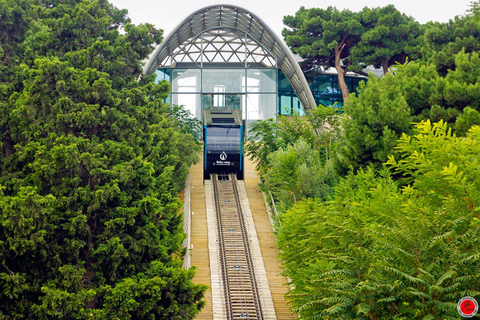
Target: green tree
{"x":377,"y":251}
{"x":474,"y":9}
{"x":269,"y":135}
{"x":326,"y":121}
{"x":86,"y":33}
{"x":444,"y":40}
{"x":390,"y":38}
{"x":186,"y":121}
{"x":261,"y":142}
{"x":297,"y":172}
{"x":374,"y":120}
{"x":324,"y":38}
{"x":14,"y":23}
{"x":349,"y":41}
{"x":293,"y":155}
{"x":386,"y":107}
{"x":466,"y":120}
{"x":90,"y":167}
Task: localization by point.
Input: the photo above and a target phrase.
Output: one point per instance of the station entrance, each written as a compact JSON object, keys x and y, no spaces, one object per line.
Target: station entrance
{"x":252,"y":90}
{"x":223,"y":64}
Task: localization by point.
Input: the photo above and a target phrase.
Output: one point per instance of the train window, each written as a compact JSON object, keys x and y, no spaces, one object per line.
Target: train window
{"x":223,"y":138}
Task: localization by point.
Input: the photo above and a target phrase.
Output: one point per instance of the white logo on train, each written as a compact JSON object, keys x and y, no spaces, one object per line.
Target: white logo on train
{"x":222,"y":162}
{"x":223,"y":156}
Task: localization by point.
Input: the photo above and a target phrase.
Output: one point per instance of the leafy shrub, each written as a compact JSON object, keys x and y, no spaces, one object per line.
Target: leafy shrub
{"x":375,"y":251}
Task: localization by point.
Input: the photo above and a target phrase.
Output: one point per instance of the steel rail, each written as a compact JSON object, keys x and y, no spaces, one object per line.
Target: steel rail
{"x":241,"y":291}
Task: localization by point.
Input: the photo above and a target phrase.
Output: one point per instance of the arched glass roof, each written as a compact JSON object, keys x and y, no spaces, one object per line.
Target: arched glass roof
{"x":226,"y":33}
{"x":219,"y":45}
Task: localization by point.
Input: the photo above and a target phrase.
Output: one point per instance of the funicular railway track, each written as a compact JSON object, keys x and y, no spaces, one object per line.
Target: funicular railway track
{"x":242,"y":298}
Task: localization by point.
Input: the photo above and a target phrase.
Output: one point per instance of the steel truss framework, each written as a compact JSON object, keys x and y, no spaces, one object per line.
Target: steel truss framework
{"x":226,"y":33}
{"x":220,"y":46}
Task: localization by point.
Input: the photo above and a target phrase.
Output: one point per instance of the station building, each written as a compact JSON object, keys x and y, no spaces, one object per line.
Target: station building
{"x":223,"y":57}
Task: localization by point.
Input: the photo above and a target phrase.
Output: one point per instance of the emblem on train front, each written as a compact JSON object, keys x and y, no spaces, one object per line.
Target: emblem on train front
{"x":223,"y":156}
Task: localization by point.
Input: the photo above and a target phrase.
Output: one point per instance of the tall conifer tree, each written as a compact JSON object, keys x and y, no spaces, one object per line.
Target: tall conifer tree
{"x":91,"y":163}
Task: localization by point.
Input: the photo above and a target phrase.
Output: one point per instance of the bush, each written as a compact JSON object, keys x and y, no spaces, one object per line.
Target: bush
{"x":376,"y":251}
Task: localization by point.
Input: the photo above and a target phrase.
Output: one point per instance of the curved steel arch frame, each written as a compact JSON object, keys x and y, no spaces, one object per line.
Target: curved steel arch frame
{"x":241,"y":22}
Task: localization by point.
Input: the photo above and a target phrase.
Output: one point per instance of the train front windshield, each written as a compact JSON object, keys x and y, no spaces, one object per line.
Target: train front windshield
{"x":223,"y":138}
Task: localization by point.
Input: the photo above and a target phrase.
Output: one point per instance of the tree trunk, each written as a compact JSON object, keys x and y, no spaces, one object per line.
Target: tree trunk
{"x":385,"y":65}
{"x":341,"y":74}
{"x":8,"y":144}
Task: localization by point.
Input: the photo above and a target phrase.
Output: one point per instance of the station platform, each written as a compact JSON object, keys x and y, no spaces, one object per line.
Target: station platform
{"x":201,"y":253}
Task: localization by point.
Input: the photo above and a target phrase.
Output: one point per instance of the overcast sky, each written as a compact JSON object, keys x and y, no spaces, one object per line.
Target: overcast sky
{"x":167,"y":14}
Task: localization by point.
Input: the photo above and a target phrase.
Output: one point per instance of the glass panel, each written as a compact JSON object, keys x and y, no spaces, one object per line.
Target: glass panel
{"x":231,"y":79}
{"x":297,"y":107}
{"x":191,"y":102}
{"x":261,"y":106}
{"x":186,"y":80}
{"x":286,"y":104}
{"x":223,"y":138}
{"x":233,"y":101}
{"x":261,"y":80}
{"x":224,"y":101}
{"x":335,"y":87}
{"x":283,"y":83}
{"x":322,"y":85}
{"x":162,"y":74}
{"x":207,"y":101}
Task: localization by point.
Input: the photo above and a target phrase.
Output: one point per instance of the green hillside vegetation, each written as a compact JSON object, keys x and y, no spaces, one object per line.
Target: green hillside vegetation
{"x":91,"y":163}
{"x":379,"y":202}
{"x":386,"y":107}
{"x":376,"y":250}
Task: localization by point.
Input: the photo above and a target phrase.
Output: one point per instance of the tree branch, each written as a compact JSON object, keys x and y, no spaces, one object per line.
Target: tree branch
{"x":9,"y":271}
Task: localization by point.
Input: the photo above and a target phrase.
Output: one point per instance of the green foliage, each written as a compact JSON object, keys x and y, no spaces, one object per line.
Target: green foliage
{"x":462,"y":85}
{"x":293,"y":155}
{"x":91,"y":162}
{"x":349,"y":40}
{"x":316,"y":33}
{"x":444,"y":40}
{"x":324,"y":38}
{"x":380,"y":248}
{"x":474,"y":9}
{"x":186,"y":121}
{"x":390,"y":37}
{"x":269,"y":135}
{"x":376,"y":251}
{"x":261,"y":142}
{"x":466,"y":120}
{"x":386,"y":107}
{"x":296,"y":172}
{"x":326,"y":121}
{"x":86,"y":33}
{"x":374,"y":120}
{"x":14,"y":23}
{"x":159,"y":293}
